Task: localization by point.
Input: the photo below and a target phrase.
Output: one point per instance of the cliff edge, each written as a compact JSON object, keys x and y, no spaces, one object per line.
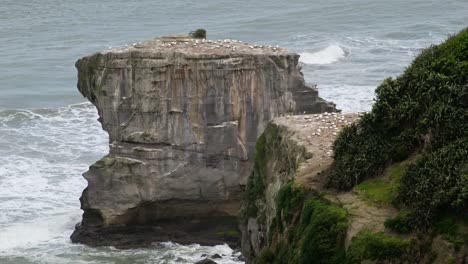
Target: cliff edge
{"x":183,"y":116}
{"x":386,"y":186}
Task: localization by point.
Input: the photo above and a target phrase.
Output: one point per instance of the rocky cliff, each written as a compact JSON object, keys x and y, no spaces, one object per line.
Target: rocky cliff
{"x":183,"y":116}
{"x":386,"y":186}
{"x":289,"y":215}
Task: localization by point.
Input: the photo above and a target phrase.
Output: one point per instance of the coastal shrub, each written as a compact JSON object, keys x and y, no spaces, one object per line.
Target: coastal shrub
{"x":437,"y":181}
{"x":423,"y":110}
{"x":324,"y":233}
{"x":359,"y":152}
{"x":199,"y":33}
{"x":316,"y":236}
{"x":426,"y":105}
{"x":375,"y":246}
{"x":289,"y":198}
{"x":452,"y":230}
{"x":446,"y":225}
{"x":402,"y":223}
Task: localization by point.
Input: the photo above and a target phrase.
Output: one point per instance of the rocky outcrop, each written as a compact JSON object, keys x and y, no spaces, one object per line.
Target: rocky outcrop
{"x":293,"y":149}
{"x":288,"y":214}
{"x":183,"y":116}
{"x":392,"y":189}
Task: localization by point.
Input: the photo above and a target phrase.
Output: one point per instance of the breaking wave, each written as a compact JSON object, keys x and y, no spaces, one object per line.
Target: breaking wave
{"x":330,"y":54}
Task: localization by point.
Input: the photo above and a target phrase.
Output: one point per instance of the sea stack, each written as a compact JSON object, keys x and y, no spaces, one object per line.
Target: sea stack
{"x":183,"y":116}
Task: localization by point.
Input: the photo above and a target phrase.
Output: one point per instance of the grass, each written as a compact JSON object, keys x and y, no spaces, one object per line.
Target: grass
{"x":376,"y":191}
{"x":383,"y":190}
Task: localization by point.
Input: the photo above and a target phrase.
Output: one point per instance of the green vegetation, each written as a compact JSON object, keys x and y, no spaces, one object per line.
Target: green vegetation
{"x":402,"y":223}
{"x":199,"y":33}
{"x":270,"y":151}
{"x":379,"y":191}
{"x":324,"y":233}
{"x":423,"y":110}
{"x":383,"y":190}
{"x":375,"y":246}
{"x":410,"y":151}
{"x":316,"y":235}
{"x":289,"y":198}
{"x":452,"y":230}
{"x":437,"y":181}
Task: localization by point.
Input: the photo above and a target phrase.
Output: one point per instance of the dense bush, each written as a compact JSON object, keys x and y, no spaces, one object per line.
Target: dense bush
{"x":199,"y":33}
{"x":289,"y":198}
{"x":424,"y":109}
{"x":324,"y":233}
{"x":402,"y":223}
{"x":425,"y":105}
{"x":438,"y":180}
{"x":316,"y":236}
{"x":375,"y":246}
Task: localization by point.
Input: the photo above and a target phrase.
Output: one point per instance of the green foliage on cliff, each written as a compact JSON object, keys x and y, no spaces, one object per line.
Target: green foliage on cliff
{"x":314,"y":230}
{"x":375,"y":246}
{"x":401,"y":223}
{"x":437,"y":181}
{"x":324,"y":233}
{"x":289,"y":198}
{"x":256,"y":183}
{"x":423,"y":110}
{"x":273,"y":150}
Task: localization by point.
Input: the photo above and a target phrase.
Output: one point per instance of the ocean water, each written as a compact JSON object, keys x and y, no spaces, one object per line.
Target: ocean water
{"x":49,"y":134}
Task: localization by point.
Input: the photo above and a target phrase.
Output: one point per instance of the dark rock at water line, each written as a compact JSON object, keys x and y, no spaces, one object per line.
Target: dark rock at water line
{"x":206,"y":261}
{"x":185,"y":231}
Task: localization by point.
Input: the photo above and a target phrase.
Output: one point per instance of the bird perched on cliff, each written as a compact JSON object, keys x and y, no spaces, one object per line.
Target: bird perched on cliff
{"x":199,"y":33}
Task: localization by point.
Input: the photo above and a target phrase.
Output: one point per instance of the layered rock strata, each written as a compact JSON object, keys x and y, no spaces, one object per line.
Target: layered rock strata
{"x":183,"y":116}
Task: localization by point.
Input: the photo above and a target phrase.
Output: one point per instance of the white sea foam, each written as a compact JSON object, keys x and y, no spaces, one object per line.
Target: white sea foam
{"x":32,"y":233}
{"x":330,"y":54}
{"x":43,"y":153}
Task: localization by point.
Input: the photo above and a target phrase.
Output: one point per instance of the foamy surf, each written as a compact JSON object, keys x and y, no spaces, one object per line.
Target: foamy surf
{"x":330,"y":54}
{"x":43,"y":153}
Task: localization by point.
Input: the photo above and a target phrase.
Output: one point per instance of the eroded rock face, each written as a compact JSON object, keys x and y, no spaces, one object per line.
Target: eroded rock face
{"x":183,"y":116}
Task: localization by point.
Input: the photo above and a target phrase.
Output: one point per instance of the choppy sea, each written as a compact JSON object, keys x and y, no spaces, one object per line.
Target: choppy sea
{"x":49,"y":135}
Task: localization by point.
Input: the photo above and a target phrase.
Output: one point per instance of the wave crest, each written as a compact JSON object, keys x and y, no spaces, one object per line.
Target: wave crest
{"x":330,"y":54}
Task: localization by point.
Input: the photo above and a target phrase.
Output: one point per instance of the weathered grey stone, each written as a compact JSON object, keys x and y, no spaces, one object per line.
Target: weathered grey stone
{"x":182,"y":117}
